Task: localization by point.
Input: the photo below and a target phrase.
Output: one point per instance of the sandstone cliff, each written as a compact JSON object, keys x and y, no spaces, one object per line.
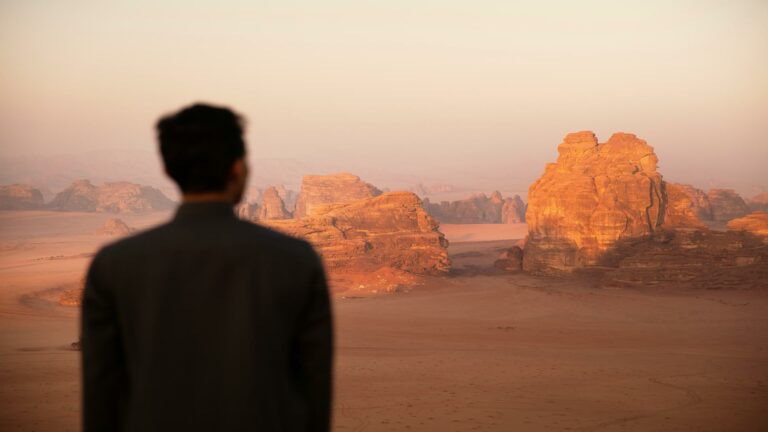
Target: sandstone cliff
{"x":390,"y":232}
{"x":272,"y":206}
{"x":20,"y":197}
{"x":593,"y":196}
{"x":116,"y":197}
{"x":317,"y":190}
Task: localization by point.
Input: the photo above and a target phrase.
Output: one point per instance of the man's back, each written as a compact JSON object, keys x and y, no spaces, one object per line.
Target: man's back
{"x":207,"y":323}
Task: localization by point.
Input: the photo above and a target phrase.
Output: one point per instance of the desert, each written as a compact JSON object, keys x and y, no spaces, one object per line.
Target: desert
{"x":478,"y":348}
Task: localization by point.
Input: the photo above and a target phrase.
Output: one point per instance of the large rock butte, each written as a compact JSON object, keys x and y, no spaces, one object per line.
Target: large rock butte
{"x":593,"y":196}
{"x":317,"y":190}
{"x":374,"y":235}
{"x":478,"y":209}
{"x":116,"y":197}
{"x":20,"y":197}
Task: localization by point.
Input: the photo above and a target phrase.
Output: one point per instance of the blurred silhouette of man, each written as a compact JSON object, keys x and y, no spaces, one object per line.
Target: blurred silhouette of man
{"x":206,"y":323}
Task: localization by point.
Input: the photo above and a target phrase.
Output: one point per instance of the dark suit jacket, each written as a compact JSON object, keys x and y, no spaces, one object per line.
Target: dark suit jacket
{"x":207,"y":323}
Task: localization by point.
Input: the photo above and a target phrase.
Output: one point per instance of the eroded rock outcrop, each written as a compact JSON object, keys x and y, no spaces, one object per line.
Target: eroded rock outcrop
{"x":20,"y":197}
{"x":726,"y":204}
{"x":386,"y":234}
{"x":700,"y":259}
{"x":593,"y":196}
{"x":317,"y":190}
{"x":478,"y":209}
{"x":755,"y":223}
{"x":272,"y":206}
{"x":115,"y":197}
{"x":115,"y":227}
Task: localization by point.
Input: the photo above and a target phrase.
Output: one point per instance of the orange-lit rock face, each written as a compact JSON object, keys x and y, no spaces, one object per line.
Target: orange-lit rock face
{"x":593,"y":196}
{"x":272,"y":206}
{"x":755,"y":223}
{"x":117,"y":197}
{"x":317,"y":190}
{"x":20,"y":197}
{"x":388,"y":231}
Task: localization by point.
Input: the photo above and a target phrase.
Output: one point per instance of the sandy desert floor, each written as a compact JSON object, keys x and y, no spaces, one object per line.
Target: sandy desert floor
{"x":478,"y":350}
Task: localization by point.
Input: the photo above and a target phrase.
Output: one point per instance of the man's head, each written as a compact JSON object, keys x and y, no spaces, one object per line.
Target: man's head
{"x":204,"y":152}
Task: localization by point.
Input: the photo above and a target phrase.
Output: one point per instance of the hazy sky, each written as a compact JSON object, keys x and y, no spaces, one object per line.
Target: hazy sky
{"x":412,"y":85}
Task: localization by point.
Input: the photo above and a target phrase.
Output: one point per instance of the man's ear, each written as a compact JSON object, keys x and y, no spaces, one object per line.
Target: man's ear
{"x":239,"y":170}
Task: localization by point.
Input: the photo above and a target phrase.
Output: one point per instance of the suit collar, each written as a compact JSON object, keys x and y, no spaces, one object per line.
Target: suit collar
{"x":204,"y":210}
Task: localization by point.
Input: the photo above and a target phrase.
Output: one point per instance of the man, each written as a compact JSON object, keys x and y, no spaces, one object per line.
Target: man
{"x":206,"y":323}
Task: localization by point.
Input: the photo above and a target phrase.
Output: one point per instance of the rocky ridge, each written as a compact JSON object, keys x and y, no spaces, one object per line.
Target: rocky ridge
{"x":115,"y":197}
{"x":478,"y":209}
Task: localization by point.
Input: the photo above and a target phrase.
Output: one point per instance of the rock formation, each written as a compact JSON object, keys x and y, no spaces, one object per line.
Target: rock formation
{"x":689,"y":258}
{"x":478,"y":209}
{"x":726,"y":204}
{"x":389,"y":232}
{"x":759,"y":202}
{"x":116,"y":197}
{"x":272,"y":206}
{"x":699,"y":201}
{"x":20,"y":197}
{"x":510,"y":260}
{"x":317,"y":190}
{"x":115,"y":227}
{"x":595,"y":195}
{"x":755,"y":223}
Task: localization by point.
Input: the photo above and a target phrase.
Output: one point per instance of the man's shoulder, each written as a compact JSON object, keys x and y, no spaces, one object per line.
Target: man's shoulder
{"x":278,"y":242}
{"x":246,"y":235}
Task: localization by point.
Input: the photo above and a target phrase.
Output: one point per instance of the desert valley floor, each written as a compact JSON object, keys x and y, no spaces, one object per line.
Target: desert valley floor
{"x":476,"y":350}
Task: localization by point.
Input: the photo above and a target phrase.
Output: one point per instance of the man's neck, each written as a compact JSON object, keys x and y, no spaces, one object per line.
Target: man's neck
{"x":207,"y":197}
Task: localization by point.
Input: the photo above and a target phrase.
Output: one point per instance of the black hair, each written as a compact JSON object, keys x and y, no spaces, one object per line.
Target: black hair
{"x":199,"y":144}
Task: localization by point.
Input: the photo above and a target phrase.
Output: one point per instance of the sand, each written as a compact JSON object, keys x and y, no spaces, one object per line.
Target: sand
{"x":479,"y":350}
